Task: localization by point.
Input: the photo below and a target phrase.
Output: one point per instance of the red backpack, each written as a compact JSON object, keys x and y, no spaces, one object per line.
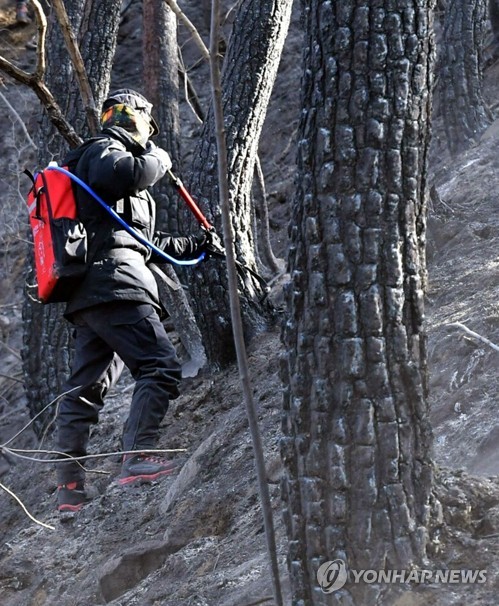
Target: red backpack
{"x":60,"y":239}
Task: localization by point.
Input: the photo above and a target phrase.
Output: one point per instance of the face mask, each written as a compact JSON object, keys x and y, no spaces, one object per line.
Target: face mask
{"x":143,"y":129}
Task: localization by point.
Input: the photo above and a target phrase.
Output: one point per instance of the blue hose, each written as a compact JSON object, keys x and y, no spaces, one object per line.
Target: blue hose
{"x":124,"y":224}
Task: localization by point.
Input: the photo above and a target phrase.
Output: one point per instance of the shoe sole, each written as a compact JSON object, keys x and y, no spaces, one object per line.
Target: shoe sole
{"x":145,"y":477}
{"x":70,"y":508}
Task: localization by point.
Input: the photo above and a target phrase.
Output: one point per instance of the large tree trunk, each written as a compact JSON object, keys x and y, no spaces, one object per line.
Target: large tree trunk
{"x":249,"y":71}
{"x":356,"y":431}
{"x":464,"y":110}
{"x":47,"y":345}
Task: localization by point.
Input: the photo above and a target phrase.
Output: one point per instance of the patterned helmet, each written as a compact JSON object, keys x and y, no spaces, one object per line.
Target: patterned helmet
{"x":125,"y":107}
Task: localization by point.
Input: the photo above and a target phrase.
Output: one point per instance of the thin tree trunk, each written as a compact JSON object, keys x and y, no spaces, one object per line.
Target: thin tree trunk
{"x":161,"y":88}
{"x":160,"y":60}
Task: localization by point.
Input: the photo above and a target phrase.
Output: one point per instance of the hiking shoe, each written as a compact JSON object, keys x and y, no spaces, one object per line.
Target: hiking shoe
{"x":71,"y":496}
{"x":144,"y":467}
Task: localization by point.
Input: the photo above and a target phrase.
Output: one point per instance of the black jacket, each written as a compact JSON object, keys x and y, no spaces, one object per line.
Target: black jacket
{"x":120,"y":171}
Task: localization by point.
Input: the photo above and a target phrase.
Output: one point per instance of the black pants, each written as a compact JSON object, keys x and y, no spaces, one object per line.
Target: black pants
{"x":107,"y":337}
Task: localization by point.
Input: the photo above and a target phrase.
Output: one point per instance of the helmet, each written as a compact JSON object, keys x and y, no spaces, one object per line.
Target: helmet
{"x":133,"y":100}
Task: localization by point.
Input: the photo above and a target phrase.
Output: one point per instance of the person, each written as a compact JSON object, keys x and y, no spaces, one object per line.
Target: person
{"x":22,"y":17}
{"x":116,"y":310}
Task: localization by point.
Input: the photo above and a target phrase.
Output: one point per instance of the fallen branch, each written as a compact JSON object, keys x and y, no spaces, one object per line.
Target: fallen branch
{"x":16,"y":452}
{"x":23,"y":507}
{"x":260,"y":601}
{"x":474,"y":334}
{"x":54,"y":401}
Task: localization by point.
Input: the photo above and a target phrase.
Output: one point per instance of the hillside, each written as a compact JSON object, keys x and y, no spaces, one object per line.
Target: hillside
{"x":196,"y":539}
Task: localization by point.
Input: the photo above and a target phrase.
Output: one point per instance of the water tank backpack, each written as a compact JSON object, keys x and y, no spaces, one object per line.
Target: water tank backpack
{"x":59,"y":237}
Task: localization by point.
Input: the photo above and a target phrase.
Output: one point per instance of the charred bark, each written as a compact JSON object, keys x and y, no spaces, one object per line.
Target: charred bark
{"x":356,"y":432}
{"x":249,"y":71}
{"x":160,"y":54}
{"x":466,"y":114}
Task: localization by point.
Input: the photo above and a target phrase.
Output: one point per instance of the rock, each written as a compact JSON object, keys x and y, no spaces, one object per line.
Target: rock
{"x":489,"y":524}
{"x":121,"y":573}
{"x":187,"y":475}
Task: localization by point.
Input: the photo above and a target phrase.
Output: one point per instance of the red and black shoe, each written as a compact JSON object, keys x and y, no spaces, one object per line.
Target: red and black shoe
{"x":144,"y":467}
{"x":71,"y":496}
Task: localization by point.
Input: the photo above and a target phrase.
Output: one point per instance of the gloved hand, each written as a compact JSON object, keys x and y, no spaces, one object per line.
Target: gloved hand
{"x":162,"y":155}
{"x":213,"y":246}
{"x":209,"y":243}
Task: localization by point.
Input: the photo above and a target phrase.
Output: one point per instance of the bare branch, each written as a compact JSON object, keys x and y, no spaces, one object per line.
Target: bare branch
{"x":77,"y":60}
{"x":55,"y":113}
{"x":41,"y":22}
{"x":190,"y":26}
{"x":475,"y":335}
{"x":18,"y":119}
{"x":36,"y":82}
{"x":43,"y":93}
{"x":189,"y":92}
{"x":235,"y":308}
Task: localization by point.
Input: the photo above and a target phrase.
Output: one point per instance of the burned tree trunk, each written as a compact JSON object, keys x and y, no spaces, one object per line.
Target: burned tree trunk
{"x":356,"y":431}
{"x":160,"y":60}
{"x":465,"y":112}
{"x":160,"y":53}
{"x":249,"y":70}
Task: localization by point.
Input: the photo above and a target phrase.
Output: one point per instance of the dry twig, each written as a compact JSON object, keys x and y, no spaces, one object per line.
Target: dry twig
{"x":235,"y":308}
{"x":10,"y":350}
{"x":474,"y":334}
{"x":11,"y":378}
{"x":23,"y":507}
